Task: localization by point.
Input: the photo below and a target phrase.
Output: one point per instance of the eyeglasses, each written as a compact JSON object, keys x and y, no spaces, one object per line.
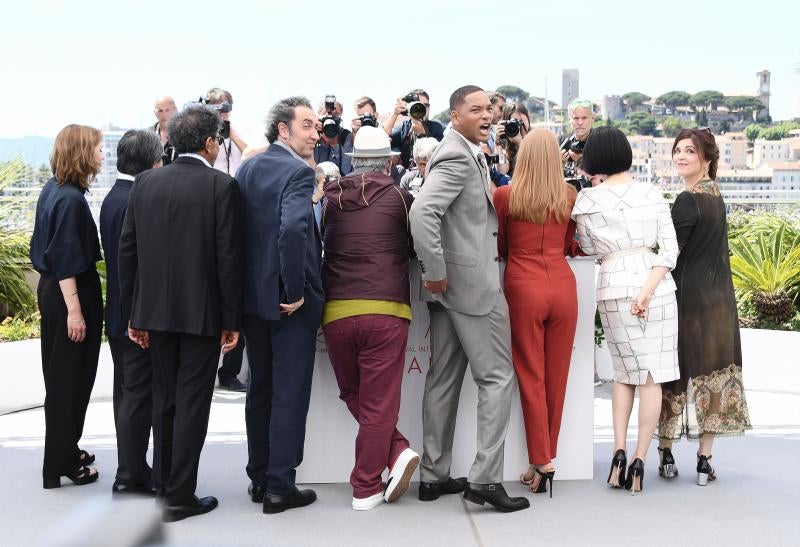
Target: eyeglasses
{"x":580,"y":103}
{"x":704,"y":128}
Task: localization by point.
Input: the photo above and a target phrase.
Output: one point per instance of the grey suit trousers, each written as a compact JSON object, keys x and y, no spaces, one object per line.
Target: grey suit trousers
{"x":483,"y":341}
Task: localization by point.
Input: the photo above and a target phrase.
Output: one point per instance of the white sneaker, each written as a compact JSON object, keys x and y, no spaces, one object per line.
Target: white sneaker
{"x":400,"y":475}
{"x":365,"y":504}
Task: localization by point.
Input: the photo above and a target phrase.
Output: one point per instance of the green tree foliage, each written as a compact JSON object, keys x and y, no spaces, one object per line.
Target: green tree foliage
{"x":15,"y":295}
{"x":707,"y":99}
{"x":702,"y":119}
{"x":745,"y":105}
{"x":513,"y":93}
{"x":771,"y":133}
{"x":642,"y":123}
{"x":443,"y":117}
{"x":673,"y":99}
{"x":671,"y":126}
{"x":634,"y":98}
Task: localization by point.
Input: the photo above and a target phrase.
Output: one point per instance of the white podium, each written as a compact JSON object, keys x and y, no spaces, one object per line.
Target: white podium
{"x":331,"y":430}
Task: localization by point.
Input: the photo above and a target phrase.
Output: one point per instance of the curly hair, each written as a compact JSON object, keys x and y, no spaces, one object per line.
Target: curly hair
{"x":283,"y":112}
{"x":189,"y":130}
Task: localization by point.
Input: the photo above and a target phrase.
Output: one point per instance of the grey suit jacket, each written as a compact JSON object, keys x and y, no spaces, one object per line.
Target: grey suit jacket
{"x":454,"y":226}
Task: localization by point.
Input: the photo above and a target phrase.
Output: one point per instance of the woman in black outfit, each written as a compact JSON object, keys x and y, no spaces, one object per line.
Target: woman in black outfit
{"x":708,"y":400}
{"x":64,"y":249}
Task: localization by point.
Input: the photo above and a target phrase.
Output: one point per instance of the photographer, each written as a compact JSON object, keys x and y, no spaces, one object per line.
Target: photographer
{"x":332,"y":136}
{"x":415,"y":105}
{"x":413,"y":179}
{"x":230,"y":152}
{"x":164,"y":108}
{"x":509,"y":133}
{"x":581,"y":117}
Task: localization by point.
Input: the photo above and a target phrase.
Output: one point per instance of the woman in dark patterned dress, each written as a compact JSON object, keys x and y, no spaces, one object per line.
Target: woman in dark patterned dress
{"x":708,"y":399}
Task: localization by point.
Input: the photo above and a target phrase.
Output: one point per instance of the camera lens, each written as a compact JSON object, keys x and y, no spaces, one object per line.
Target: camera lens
{"x":330,"y":127}
{"x":417,"y":110}
{"x":512,"y":128}
{"x":368,"y":120}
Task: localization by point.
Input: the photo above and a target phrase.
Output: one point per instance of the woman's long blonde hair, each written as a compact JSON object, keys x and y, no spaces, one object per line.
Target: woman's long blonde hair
{"x":538,"y":189}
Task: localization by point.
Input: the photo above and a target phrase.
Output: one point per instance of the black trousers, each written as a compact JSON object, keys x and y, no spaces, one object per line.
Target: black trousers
{"x":69,"y":369}
{"x":133,"y":409}
{"x":281,"y":357}
{"x":232,"y":362}
{"x":184,"y":366}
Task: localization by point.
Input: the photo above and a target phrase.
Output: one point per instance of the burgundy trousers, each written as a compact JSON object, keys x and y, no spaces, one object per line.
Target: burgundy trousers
{"x":367,"y":353}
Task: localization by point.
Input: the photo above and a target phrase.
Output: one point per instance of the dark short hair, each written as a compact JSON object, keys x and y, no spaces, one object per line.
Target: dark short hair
{"x":283,"y":112}
{"x":459,"y":95}
{"x":138,"y":150}
{"x":189,"y":129}
{"x":419,"y":91}
{"x":607,"y":152}
{"x":706,"y":146}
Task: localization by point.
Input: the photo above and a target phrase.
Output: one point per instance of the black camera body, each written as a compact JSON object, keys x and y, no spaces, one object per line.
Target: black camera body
{"x":414,"y":108}
{"x":513,"y":127}
{"x":368,"y":120}
{"x":225,"y":130}
{"x":571,"y":175}
{"x":331,"y":126}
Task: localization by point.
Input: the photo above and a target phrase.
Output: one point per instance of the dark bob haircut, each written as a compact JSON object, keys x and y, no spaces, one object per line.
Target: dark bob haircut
{"x":706,"y":146}
{"x":138,"y":150}
{"x":189,"y":129}
{"x":607,"y":152}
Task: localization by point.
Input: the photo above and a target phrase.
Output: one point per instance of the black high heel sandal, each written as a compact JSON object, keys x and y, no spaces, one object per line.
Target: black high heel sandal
{"x":635,"y":480}
{"x":705,"y":472}
{"x":667,"y":467}
{"x":616,"y":476}
{"x":82,"y":475}
{"x":544,"y":478}
{"x":86,"y":458}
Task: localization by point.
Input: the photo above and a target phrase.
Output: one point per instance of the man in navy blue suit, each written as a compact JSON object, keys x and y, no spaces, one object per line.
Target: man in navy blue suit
{"x":282,"y":302}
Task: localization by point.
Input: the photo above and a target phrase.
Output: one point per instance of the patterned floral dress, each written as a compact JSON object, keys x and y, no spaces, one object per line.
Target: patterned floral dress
{"x":709,"y":396}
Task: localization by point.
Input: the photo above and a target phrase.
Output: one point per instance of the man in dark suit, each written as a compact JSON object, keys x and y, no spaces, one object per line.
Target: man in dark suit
{"x":137,"y":151}
{"x":180,"y":262}
{"x":282,"y":302}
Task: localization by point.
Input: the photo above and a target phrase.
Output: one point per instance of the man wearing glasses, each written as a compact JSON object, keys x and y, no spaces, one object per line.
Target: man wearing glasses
{"x":581,"y":117}
{"x":410,"y":129}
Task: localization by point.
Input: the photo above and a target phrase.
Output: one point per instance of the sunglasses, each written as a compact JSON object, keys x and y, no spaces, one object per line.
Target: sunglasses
{"x":703,"y":128}
{"x":580,"y":104}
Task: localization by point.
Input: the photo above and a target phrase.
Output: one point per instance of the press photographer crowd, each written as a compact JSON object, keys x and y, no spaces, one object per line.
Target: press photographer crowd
{"x":214,"y":245}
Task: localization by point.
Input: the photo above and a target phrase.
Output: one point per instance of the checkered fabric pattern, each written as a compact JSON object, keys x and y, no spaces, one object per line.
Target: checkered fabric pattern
{"x":639,"y":347}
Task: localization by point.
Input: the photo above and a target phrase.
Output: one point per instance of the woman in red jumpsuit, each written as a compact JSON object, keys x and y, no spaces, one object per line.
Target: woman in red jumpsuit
{"x":535,"y":233}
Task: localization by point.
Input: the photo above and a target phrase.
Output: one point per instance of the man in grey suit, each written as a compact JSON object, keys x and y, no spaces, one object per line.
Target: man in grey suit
{"x":454,"y":226}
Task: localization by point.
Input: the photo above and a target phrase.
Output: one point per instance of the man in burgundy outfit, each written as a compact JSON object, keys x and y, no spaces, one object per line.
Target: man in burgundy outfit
{"x":367,"y":312}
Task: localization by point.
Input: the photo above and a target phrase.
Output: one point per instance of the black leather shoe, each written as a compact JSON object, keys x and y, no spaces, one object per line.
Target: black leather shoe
{"x":173,"y":513}
{"x":429,"y":491}
{"x":256,"y":492}
{"x":142,"y":489}
{"x":277,"y":503}
{"x":495,"y":495}
{"x":232,"y":384}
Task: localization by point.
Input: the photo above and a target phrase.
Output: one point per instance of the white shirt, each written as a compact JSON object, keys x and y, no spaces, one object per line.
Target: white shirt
{"x":476,"y":149}
{"x":195,"y":156}
{"x":123,"y":176}
{"x":228,"y":163}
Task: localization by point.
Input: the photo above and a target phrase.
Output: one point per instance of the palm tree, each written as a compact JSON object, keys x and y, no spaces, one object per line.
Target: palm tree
{"x":15,"y":295}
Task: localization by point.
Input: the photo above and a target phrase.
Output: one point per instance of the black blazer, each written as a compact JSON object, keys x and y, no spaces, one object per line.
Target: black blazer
{"x":180,"y":252}
{"x":282,"y":245}
{"x":112,"y":213}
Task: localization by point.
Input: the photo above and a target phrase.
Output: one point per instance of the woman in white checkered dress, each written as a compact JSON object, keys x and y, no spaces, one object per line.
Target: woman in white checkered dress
{"x":628,"y":226}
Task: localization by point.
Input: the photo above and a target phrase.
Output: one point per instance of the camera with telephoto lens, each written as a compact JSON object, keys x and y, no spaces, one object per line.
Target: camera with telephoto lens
{"x":368,"y":120}
{"x":414,"y":108}
{"x":331,"y":123}
{"x":219,"y":107}
{"x":571,"y":175}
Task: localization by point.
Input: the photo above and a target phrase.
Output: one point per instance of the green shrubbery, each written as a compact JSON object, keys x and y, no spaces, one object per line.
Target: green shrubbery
{"x":765,"y":263}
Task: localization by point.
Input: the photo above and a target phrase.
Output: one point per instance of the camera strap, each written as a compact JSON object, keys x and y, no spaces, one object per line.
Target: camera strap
{"x":228,"y":153}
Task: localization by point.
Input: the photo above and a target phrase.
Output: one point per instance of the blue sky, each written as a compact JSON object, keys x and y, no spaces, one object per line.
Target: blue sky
{"x":94,"y":62}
